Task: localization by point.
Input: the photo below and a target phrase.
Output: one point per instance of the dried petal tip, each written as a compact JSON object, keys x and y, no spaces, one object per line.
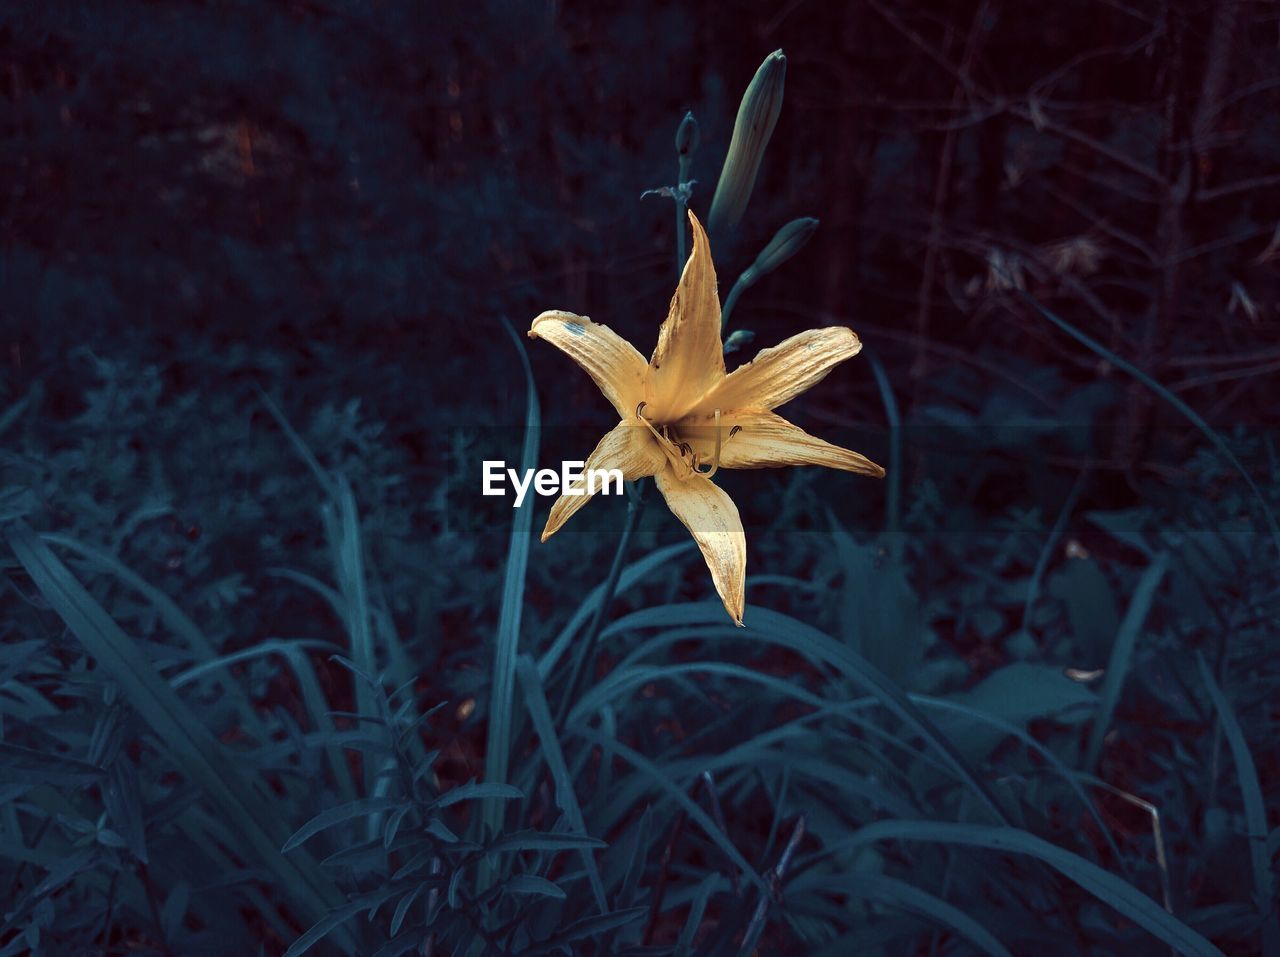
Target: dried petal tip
{"x":757,"y":115}
{"x":687,"y":136}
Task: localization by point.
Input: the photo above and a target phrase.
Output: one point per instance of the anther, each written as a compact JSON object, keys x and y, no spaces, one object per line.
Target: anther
{"x":660,"y":436}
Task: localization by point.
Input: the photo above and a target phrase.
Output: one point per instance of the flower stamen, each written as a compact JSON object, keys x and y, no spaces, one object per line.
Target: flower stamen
{"x":715,"y":461}
{"x":674,"y":456}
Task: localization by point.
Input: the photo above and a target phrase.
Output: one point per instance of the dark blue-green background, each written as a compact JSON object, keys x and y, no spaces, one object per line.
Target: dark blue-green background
{"x":335,"y":205}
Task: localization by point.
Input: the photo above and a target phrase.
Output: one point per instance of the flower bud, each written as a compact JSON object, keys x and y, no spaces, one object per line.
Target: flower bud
{"x":757,"y":115}
{"x":687,"y":137}
{"x":786,"y":242}
{"x":738,"y":339}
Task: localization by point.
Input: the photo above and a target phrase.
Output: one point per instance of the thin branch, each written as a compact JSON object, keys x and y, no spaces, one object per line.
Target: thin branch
{"x":1117,"y":51}
{"x":1035,"y":118}
{"x":1240,"y":186}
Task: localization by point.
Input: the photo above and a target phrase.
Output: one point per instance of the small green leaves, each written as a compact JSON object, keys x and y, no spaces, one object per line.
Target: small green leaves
{"x":757,"y":115}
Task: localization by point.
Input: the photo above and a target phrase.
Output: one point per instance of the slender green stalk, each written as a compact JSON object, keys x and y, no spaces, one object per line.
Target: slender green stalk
{"x":687,"y":137}
{"x":681,"y":251}
{"x":588,"y":651}
{"x":682,"y":209}
{"x":730,"y":301}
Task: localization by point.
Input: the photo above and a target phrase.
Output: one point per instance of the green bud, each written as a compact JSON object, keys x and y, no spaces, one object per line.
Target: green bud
{"x":738,"y":339}
{"x":687,"y":137}
{"x":757,"y":115}
{"x":786,"y":242}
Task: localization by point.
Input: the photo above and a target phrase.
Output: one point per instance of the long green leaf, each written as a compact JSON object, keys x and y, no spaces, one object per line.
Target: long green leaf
{"x":199,"y":756}
{"x":478,"y":791}
{"x":772,"y":627}
{"x":678,"y":794}
{"x":299,"y":446}
{"x":331,"y":817}
{"x":658,"y":558}
{"x":535,"y":699}
{"x":174,"y":618}
{"x":39,"y":767}
{"x":348,"y":550}
{"x":895,"y":893}
{"x":1122,"y":654}
{"x":1185,"y":410}
{"x":533,"y":885}
{"x":684,"y":943}
{"x":628,"y":676}
{"x":337,"y":918}
{"x":1108,"y":888}
{"x":501,"y":704}
{"x":582,"y":929}
{"x":1255,"y":809}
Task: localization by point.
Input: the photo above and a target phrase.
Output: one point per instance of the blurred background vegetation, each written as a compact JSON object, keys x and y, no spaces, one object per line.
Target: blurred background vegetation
{"x":1018,"y":698}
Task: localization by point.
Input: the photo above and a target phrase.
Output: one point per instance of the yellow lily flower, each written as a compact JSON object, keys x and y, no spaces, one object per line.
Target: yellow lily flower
{"x":680,"y":413}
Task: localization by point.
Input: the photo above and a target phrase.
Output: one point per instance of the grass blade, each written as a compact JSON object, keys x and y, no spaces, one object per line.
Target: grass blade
{"x":628,"y":676}
{"x":677,"y":793}
{"x":304,"y":452}
{"x":199,"y":756}
{"x":349,"y":561}
{"x":498,"y":746}
{"x":1186,"y":411}
{"x":1111,"y":890}
{"x":174,"y":618}
{"x":1255,"y":810}
{"x":1122,"y":654}
{"x":899,"y":894}
{"x":535,"y":700}
{"x":770,"y":626}
{"x":39,"y":767}
{"x":698,"y":907}
{"x":630,"y":575}
{"x":341,"y":815}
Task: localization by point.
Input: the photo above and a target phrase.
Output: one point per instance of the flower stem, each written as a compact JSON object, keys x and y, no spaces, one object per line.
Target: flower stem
{"x":730,"y":301}
{"x":680,"y":239}
{"x":681,"y":208}
{"x":585,"y":660}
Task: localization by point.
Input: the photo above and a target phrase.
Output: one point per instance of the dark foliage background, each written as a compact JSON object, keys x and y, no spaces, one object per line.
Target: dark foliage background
{"x":235,"y":235}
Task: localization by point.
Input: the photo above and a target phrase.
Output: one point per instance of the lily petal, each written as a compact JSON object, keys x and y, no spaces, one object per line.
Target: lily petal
{"x":612,"y":362}
{"x":689,"y":358}
{"x":629,"y":447}
{"x":711,"y":517}
{"x":778,"y":375}
{"x":766,"y":440}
